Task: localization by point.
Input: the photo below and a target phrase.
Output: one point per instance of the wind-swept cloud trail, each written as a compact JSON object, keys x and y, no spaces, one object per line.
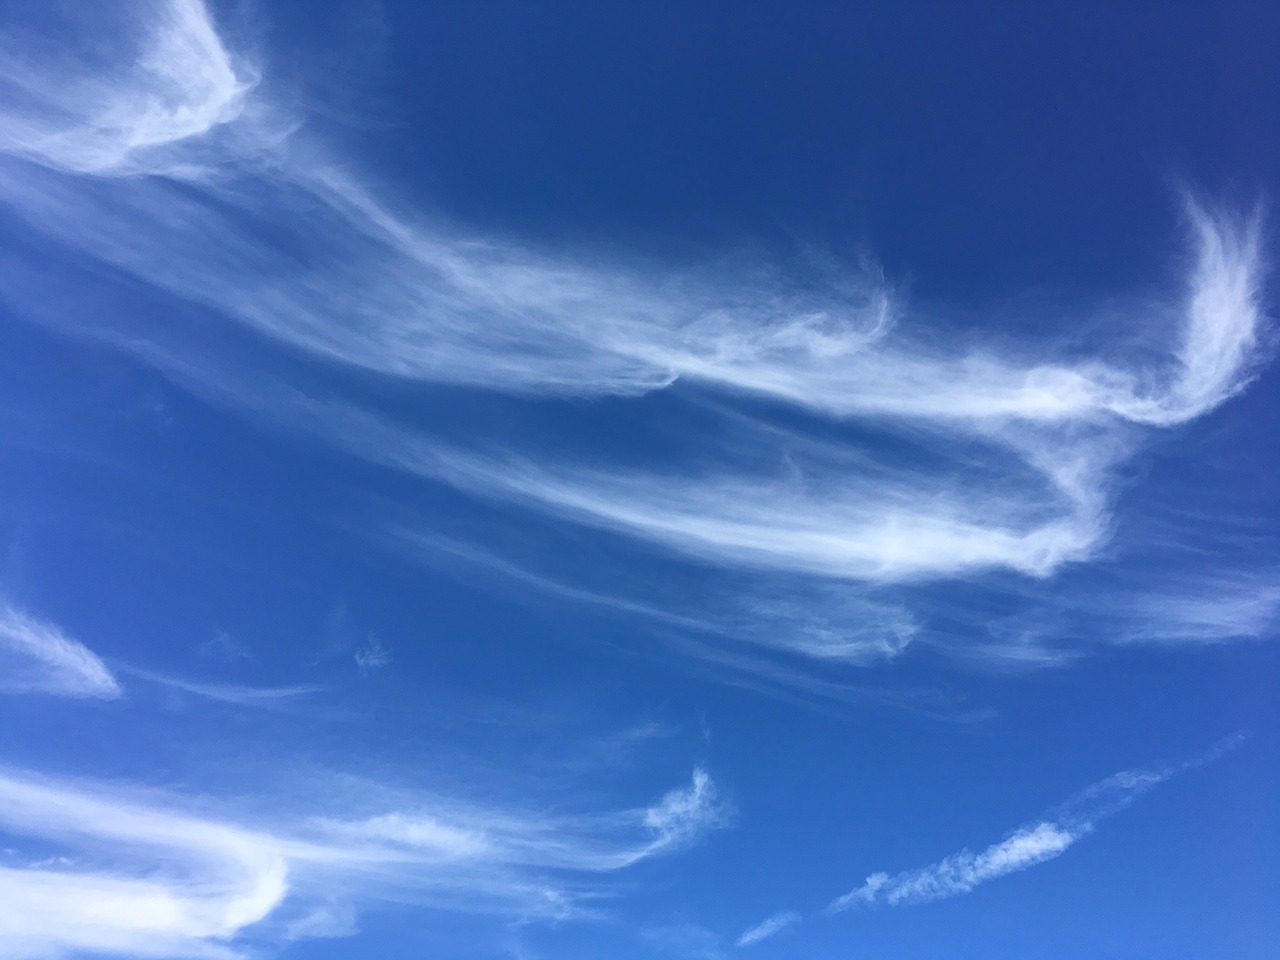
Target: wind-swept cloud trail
{"x":963,"y":871}
{"x":1037,"y":842}
{"x":38,"y":657}
{"x":145,"y":879}
{"x":1026,"y":846}
{"x":267,"y":698}
{"x":829,"y":627}
{"x":587,"y":843}
{"x":835,"y":625}
{"x":193,"y":180}
{"x":1222,"y":607}
{"x":769,"y":927}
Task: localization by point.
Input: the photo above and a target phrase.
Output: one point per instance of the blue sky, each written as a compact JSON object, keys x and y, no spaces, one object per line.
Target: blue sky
{"x":576,"y":480}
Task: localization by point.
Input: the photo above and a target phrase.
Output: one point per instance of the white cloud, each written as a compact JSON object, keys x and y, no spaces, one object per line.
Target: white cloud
{"x":1039,"y":501}
{"x":963,"y":871}
{"x":170,"y":81}
{"x":216,"y":879}
{"x":593,"y":843}
{"x":685,"y":813}
{"x":1026,"y":846}
{"x":769,"y":927}
{"x":1009,"y":453}
{"x":149,"y":880}
{"x":324,"y":921}
{"x":1223,"y":316}
{"x":421,"y":832}
{"x":237,"y":694}
{"x":1206,"y":611}
{"x":38,"y":657}
{"x":835,"y":624}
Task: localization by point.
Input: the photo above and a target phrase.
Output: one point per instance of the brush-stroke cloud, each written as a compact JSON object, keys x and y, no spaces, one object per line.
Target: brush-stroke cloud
{"x":206,"y":186}
{"x":1026,"y":846}
{"x":241,"y":695}
{"x":39,"y":658}
{"x":218,"y":879}
{"x":1214,"y":609}
{"x":167,"y":79}
{"x":835,"y":625}
{"x":1063,"y":429}
{"x":678,"y":818}
{"x":768,"y":927}
{"x":148,"y":879}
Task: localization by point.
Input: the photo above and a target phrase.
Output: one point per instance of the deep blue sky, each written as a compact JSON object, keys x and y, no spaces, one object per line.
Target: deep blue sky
{"x":568,"y":480}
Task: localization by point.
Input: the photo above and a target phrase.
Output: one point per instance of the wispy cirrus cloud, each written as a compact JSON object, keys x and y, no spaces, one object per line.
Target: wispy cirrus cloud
{"x":146,"y":878}
{"x":1025,"y":847}
{"x":1034,"y":843}
{"x":584,"y":843}
{"x":990,"y":457}
{"x":38,"y":657}
{"x":269,"y":698}
{"x":163,"y":78}
{"x":818,"y":620}
{"x":219,"y":878}
{"x":1207,"y":610}
{"x":769,"y":927}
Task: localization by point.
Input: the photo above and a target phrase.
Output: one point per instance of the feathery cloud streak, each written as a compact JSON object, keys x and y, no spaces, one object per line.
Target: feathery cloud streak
{"x":219,"y":878}
{"x":1027,"y":846}
{"x":346,"y":279}
{"x":38,"y":657}
{"x":148,"y":880}
{"x":769,"y":927}
{"x":239,"y":695}
{"x":166,"y":80}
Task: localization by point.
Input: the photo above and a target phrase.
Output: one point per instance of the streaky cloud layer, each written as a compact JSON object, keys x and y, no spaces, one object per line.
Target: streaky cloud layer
{"x":146,"y":879}
{"x":227,"y":878}
{"x":823,"y":477}
{"x":351,"y":282}
{"x":180,"y":167}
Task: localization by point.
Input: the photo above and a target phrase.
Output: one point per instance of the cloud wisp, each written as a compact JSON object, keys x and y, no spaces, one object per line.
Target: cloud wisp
{"x":591,"y":843}
{"x":39,"y":658}
{"x":144,"y":878}
{"x":219,"y":878}
{"x":1223,"y":607}
{"x":164,"y":79}
{"x":267,"y":698}
{"x":938,"y":460}
{"x":1025,"y":847}
{"x":1034,"y":843}
{"x":769,"y":927}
